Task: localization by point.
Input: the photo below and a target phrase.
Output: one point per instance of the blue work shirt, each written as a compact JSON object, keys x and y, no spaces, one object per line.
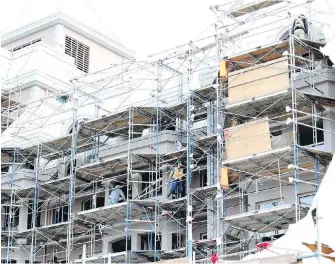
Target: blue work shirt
{"x":116,"y":194}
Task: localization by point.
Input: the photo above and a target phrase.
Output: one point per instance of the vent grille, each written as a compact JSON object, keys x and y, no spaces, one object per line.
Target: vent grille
{"x":79,"y":51}
{"x":25,"y":44}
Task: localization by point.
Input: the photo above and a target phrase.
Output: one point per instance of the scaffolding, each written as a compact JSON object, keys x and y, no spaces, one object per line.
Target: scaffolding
{"x":235,"y":142}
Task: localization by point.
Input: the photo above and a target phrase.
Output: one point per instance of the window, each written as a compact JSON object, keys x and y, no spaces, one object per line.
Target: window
{"x":306,"y":199}
{"x":305,"y":133}
{"x":178,"y":240}
{"x":147,"y":241}
{"x":68,"y":169}
{"x":88,"y":204}
{"x":119,"y":245}
{"x":15,"y":212}
{"x":25,"y":44}
{"x":29,"y":166}
{"x":203,"y":178}
{"x":79,"y":51}
{"x":62,"y":99}
{"x":268,"y":204}
{"x":60,"y":214}
{"x":30,"y":215}
{"x":203,"y":236}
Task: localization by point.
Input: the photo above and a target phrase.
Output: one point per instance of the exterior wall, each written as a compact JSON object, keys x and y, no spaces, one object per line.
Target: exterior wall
{"x":270,"y":194}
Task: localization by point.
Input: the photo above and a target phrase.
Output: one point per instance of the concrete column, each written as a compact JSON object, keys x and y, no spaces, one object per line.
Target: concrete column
{"x":165,"y":181}
{"x":136,"y":185}
{"x":59,"y":38}
{"x":135,"y":242}
{"x":166,"y":236}
{"x":23,"y":218}
{"x":329,"y":138}
{"x":211,"y":221}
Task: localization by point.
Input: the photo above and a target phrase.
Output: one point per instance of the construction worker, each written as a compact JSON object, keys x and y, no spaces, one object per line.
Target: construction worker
{"x":116,"y":195}
{"x":300,"y":27}
{"x":175,"y":180}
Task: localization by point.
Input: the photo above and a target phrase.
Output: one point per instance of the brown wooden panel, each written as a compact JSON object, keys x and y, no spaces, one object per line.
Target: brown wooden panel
{"x":259,"y":80}
{"x":247,"y":139}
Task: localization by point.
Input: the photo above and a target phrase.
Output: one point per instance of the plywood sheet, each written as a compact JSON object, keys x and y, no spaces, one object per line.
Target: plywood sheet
{"x":224,"y":68}
{"x":224,"y":178}
{"x":259,"y":80}
{"x":247,"y":139}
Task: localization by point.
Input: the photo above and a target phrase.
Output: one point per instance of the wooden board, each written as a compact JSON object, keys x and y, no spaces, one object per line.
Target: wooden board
{"x":224,"y":69}
{"x":224,"y":178}
{"x":259,"y":80}
{"x":247,"y":139}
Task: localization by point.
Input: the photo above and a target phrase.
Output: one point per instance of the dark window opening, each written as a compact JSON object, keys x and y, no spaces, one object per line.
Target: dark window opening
{"x":147,"y":241}
{"x":68,"y":169}
{"x":88,"y":204}
{"x":5,"y":169}
{"x":62,"y":99}
{"x":306,"y":134}
{"x":178,"y":241}
{"x":15,"y":218}
{"x":203,"y":236}
{"x":277,"y":132}
{"x":30,"y":215}
{"x":203,"y":178}
{"x":12,"y":261}
{"x":120,"y":245}
{"x":29,"y":166}
{"x":60,"y":215}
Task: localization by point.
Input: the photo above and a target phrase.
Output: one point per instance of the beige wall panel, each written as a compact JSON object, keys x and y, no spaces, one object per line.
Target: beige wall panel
{"x":247,"y":139}
{"x":263,"y":79}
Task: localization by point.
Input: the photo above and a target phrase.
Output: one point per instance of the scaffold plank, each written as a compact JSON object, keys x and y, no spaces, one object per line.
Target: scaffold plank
{"x":247,"y":9}
{"x":266,"y":220}
{"x":204,"y":94}
{"x":51,"y":188}
{"x":322,"y":100}
{"x":266,"y":163}
{"x":270,"y":105}
{"x":200,"y":196}
{"x":114,"y":214}
{"x":274,"y":51}
{"x":112,"y":167}
{"x":206,"y":142}
{"x":324,"y":156}
{"x":119,"y":257}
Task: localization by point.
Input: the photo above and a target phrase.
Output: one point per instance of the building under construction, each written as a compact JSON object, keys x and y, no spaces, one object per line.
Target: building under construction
{"x":241,"y":111}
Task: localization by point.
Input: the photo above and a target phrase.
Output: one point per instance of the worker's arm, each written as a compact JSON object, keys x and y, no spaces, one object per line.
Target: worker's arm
{"x":171,"y":173}
{"x":122,"y":195}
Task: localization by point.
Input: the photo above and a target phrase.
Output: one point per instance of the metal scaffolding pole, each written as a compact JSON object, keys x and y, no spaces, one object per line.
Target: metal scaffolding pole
{"x":190,"y":109}
{"x":72,"y":177}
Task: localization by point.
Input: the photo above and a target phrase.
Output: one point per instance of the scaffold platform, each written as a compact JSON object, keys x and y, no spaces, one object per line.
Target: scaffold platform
{"x":266,"y":220}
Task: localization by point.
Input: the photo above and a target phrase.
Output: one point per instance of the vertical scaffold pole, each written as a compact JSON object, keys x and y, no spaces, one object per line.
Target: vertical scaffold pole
{"x":129,"y":179}
{"x":158,"y":129}
{"x":35,"y":204}
{"x":10,"y":209}
{"x":294,"y":120}
{"x":72,"y":174}
{"x":189,"y":159}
